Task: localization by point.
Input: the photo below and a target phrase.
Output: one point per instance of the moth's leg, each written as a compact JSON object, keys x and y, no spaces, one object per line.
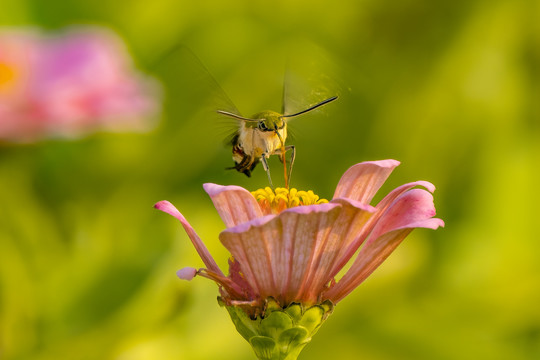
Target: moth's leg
{"x":267,"y":168}
{"x":293,"y":156}
{"x":283,"y":160}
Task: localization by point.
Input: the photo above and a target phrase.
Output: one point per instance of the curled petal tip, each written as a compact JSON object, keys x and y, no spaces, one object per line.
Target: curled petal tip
{"x":429,"y":186}
{"x":160,"y":205}
{"x":440,"y":223}
{"x":211,"y":188}
{"x":433,"y":223}
{"x":169,"y":208}
{"x":186,"y":273}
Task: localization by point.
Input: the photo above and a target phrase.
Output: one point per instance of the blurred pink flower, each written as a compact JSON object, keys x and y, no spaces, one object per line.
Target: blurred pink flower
{"x":71,"y":84}
{"x":294,"y":255}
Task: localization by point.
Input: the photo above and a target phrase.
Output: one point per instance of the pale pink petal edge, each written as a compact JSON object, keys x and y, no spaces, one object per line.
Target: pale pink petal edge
{"x":354,"y":203}
{"x":305,"y":209}
{"x":215,"y":189}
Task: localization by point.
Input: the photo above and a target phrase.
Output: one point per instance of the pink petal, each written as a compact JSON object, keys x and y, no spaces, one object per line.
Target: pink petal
{"x":361,"y":181}
{"x":367,"y":227}
{"x":411,"y":210}
{"x":352,"y":225}
{"x":186,"y":273}
{"x":277,"y":256}
{"x":367,"y":261}
{"x":203,"y":252}
{"x":72,"y":83}
{"x":348,"y":232}
{"x":234,"y":204}
{"x":394,"y":194}
{"x":243,"y":227}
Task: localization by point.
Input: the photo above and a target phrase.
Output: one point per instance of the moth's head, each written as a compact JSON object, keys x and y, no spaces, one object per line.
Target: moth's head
{"x":269,"y":121}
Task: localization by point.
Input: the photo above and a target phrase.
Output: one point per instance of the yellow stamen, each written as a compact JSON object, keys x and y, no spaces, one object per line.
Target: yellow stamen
{"x":274,"y":202}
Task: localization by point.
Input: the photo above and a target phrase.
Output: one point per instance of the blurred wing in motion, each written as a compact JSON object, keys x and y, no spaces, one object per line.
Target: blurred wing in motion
{"x":192,"y":92}
{"x":310,"y":78}
{"x":193,"y":128}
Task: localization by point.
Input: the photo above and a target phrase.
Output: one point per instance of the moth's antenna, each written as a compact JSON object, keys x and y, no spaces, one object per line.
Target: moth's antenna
{"x":312,"y":108}
{"x":229,"y":114}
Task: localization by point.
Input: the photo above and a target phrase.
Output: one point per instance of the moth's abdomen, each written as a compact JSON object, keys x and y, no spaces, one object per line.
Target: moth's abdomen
{"x":244,"y":163}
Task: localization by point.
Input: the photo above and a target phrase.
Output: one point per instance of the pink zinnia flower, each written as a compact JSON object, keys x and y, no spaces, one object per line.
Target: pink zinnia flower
{"x":70,"y":84}
{"x":287,"y":248}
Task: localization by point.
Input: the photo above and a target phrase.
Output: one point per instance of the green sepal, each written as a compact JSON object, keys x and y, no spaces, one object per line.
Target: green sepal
{"x":293,"y":339}
{"x":246,"y":326}
{"x":263,"y":346}
{"x":270,"y":304}
{"x":295,"y":310}
{"x":312,"y":318}
{"x":279,"y":333}
{"x":275,"y":323}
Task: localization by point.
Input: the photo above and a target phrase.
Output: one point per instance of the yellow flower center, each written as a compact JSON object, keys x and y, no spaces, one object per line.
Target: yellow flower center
{"x":7,"y":75}
{"x":273,"y":202}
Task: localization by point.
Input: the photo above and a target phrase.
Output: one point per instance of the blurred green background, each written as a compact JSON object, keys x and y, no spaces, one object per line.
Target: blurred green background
{"x":449,"y":88}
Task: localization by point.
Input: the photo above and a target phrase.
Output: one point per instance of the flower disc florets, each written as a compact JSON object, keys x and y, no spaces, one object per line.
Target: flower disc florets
{"x":274,"y":202}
